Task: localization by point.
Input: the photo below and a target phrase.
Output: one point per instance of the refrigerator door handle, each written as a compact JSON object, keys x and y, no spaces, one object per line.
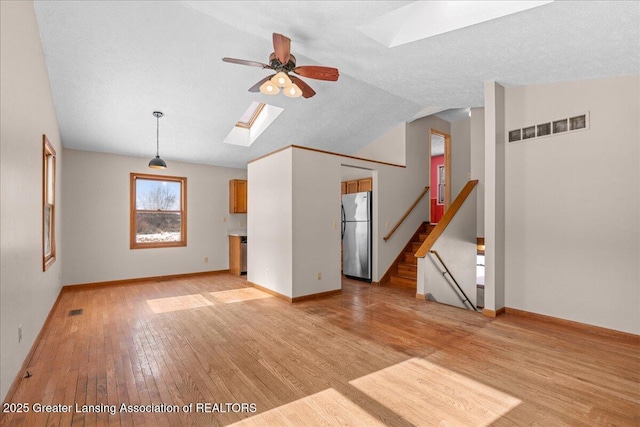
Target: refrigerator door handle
{"x":343,"y":222}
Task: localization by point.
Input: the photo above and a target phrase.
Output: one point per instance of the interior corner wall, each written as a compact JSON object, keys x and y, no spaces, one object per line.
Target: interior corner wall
{"x":494,"y":197}
{"x":458,"y":249}
{"x":270,"y":222}
{"x":460,"y":155}
{"x":573,"y":204}
{"x":27,"y":294}
{"x":388,"y":148}
{"x":476,"y":166}
{"x":316,"y":223}
{"x":96,"y":202}
{"x":399,"y":188}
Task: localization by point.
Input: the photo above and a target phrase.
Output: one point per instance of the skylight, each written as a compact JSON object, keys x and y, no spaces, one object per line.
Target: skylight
{"x":422,"y":19}
{"x":253,"y":122}
{"x":250,"y":116}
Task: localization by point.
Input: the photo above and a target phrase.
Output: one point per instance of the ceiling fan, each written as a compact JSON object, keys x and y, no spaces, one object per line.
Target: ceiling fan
{"x":283,"y":63}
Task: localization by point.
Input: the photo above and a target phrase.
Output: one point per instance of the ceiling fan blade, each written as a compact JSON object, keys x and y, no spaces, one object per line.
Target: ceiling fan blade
{"x":245,"y":62}
{"x":317,"y":72}
{"x":281,"y":47}
{"x":307,"y":92}
{"x":256,"y":87}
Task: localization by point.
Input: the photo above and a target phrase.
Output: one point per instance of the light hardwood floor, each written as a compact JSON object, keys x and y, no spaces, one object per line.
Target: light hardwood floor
{"x":370,"y":356}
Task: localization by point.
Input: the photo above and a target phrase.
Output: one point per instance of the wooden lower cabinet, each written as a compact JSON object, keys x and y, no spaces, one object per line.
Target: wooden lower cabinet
{"x":235,"y":255}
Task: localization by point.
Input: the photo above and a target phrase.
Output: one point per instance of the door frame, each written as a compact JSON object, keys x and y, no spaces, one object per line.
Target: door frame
{"x":447,"y":164}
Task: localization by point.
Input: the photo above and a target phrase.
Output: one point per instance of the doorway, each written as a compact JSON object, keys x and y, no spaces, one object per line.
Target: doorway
{"x":440,"y":167}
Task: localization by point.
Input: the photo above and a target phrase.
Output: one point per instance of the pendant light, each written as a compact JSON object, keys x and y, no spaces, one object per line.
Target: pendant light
{"x":157,"y":162}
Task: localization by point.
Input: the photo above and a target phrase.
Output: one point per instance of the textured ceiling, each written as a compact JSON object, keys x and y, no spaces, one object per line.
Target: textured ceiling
{"x":112,"y":64}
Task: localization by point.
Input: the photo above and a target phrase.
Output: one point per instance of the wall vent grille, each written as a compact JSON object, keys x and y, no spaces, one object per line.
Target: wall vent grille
{"x":552,"y":127}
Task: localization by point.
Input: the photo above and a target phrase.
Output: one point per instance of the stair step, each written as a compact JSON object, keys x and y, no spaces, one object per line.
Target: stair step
{"x":413,"y":274}
{"x":415,"y":246}
{"x":410,"y":258}
{"x":422,"y":237}
{"x":403,"y":281}
{"x":410,"y":268}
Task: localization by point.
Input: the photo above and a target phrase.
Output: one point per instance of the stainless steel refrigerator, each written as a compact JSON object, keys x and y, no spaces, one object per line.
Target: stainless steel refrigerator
{"x":356,"y":235}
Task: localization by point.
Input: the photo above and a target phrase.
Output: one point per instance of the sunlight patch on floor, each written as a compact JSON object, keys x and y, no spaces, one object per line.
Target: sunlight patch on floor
{"x":238,"y":295}
{"x":423,"y":392}
{"x":184,"y":302}
{"x":326,"y":408}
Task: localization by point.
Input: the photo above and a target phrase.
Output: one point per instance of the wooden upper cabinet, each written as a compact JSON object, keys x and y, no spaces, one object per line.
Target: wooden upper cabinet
{"x":356,"y":186}
{"x":237,"y":196}
{"x":365,"y":184}
{"x":352,"y":187}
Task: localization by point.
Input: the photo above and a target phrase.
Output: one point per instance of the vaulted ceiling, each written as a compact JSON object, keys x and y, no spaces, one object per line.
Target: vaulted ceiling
{"x":111,"y":64}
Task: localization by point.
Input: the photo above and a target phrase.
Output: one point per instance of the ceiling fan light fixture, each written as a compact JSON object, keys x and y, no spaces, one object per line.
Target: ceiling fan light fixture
{"x":157,"y":162}
{"x":292,"y":91}
{"x":281,"y":80}
{"x":268,"y":88}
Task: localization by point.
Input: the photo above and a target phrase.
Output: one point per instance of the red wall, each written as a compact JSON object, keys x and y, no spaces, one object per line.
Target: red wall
{"x":436,"y":209}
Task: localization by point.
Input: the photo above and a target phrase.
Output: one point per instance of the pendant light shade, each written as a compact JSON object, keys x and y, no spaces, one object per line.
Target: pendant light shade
{"x":157,"y":162}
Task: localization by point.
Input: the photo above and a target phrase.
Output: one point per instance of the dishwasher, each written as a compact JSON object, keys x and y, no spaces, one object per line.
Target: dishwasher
{"x":243,"y":254}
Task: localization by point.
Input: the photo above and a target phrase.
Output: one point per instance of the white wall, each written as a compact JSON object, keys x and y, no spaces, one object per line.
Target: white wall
{"x":316,"y":222}
{"x":27,"y":112}
{"x":394,"y":190}
{"x":477,"y":162}
{"x":460,"y":155}
{"x":349,"y":173}
{"x":494,"y":197}
{"x":96,"y":202}
{"x":270,"y":222}
{"x":457,"y":248}
{"x":573,"y":204}
{"x":389,"y":148}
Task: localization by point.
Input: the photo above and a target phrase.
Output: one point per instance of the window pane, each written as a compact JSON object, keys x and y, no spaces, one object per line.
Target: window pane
{"x":154,"y":227}
{"x":157,"y":195}
{"x":50,"y":179}
{"x":47,"y":230}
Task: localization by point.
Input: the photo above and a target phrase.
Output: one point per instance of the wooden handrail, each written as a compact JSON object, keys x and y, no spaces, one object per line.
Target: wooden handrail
{"x":446,"y":219}
{"x":406,"y":214}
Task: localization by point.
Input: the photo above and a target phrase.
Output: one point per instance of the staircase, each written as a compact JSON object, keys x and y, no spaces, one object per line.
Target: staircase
{"x":404,"y":270}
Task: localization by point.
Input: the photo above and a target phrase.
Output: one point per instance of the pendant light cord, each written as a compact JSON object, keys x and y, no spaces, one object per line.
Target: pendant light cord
{"x":157,"y":136}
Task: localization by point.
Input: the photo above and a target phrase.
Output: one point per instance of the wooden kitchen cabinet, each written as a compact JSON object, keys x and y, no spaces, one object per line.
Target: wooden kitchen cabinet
{"x":365,"y":184}
{"x":356,"y":186}
{"x":237,"y":196}
{"x":235,"y":255}
{"x":352,"y":187}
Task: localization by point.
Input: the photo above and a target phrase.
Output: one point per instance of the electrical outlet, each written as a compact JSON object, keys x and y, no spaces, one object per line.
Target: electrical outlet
{"x":319,"y":276}
{"x":335,"y":225}
{"x":206,"y":259}
{"x":224,"y":219}
{"x":386,"y":224}
{"x":19,"y":333}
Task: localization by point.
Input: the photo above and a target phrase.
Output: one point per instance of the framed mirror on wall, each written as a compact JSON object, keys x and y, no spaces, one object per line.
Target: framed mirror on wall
{"x":48,"y":203}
